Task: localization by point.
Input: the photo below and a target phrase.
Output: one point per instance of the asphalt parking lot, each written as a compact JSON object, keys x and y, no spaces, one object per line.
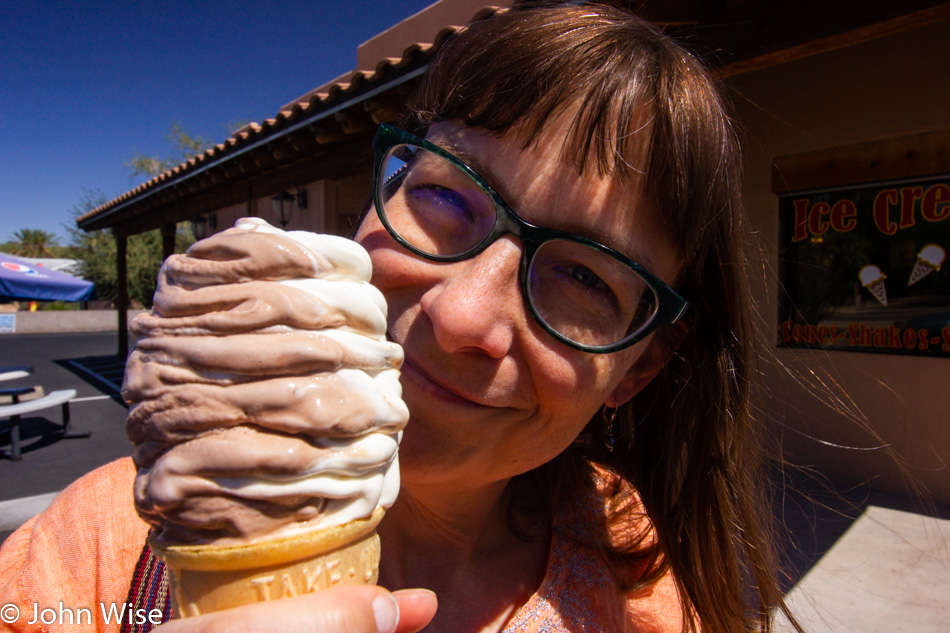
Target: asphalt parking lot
{"x":61,"y":361}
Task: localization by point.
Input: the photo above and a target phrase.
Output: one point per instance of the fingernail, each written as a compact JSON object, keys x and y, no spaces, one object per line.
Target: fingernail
{"x":414,"y":592}
{"x":386,"y":610}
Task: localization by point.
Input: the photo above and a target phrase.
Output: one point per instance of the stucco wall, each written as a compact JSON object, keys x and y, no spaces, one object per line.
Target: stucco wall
{"x":880,"y":89}
{"x":420,"y":27}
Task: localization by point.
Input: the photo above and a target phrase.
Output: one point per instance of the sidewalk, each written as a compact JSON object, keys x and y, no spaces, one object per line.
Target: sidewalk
{"x":890,"y":572}
{"x":864,"y":562}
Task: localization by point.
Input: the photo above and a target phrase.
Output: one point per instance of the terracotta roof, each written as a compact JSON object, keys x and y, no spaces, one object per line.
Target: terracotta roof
{"x":327,"y":102}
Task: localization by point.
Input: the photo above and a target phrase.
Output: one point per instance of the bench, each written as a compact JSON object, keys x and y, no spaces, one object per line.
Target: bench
{"x":9,"y":373}
{"x":15,"y":410}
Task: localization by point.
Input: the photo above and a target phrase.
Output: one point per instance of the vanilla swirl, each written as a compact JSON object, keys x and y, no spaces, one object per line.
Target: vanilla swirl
{"x":265,"y":398}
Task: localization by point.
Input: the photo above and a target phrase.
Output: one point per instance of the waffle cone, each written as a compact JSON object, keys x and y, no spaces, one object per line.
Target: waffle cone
{"x":206,"y":578}
{"x":879,"y":291}
{"x":921,"y":270}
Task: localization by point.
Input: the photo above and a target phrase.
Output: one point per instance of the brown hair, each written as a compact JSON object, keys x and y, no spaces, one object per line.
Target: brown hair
{"x":688,"y":442}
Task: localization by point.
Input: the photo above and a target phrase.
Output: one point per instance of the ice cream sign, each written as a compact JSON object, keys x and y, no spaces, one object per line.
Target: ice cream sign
{"x":873,"y":279}
{"x":929,"y":259}
{"x":862,"y":268}
{"x":892,"y":209}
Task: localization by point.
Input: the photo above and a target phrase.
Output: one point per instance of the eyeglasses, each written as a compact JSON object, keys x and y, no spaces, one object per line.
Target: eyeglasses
{"x":582,"y":293}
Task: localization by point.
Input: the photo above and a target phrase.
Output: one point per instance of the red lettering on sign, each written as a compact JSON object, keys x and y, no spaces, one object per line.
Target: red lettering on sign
{"x":893,"y":336}
{"x":882,"y":203}
{"x":801,"y":219}
{"x":936,"y":203}
{"x":909,"y":338}
{"x":909,"y":196}
{"x":880,"y":337}
{"x":923,"y":336}
{"x":817,"y":223}
{"x":843,"y":216}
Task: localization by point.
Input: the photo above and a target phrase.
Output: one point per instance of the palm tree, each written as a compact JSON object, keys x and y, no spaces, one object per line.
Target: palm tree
{"x":34,"y":243}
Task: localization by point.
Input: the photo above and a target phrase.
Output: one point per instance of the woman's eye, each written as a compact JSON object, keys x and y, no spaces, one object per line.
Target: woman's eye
{"x":438,"y":199}
{"x":586,"y":276}
{"x":590,"y":284}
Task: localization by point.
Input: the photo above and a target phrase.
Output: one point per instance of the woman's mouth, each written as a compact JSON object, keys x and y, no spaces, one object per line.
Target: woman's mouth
{"x":421,"y":377}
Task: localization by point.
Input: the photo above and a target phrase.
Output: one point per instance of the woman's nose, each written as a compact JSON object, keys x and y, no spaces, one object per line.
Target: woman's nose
{"x":477,"y":304}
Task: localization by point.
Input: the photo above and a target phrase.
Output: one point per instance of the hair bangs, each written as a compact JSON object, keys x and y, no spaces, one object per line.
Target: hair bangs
{"x":520,"y":78}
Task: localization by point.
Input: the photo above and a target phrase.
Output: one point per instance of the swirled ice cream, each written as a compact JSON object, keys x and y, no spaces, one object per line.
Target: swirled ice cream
{"x":265,"y":398}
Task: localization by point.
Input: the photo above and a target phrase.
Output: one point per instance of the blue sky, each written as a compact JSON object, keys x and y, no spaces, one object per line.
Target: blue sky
{"x":85,"y":85}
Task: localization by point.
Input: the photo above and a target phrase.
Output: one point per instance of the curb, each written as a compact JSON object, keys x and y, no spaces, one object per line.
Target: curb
{"x":16,"y":512}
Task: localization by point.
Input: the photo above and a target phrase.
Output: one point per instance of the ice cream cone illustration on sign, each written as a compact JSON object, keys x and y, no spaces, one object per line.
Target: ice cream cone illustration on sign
{"x":929,"y":259}
{"x":873,"y":279}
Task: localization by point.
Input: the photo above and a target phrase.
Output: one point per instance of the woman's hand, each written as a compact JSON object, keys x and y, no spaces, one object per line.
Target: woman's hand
{"x":337,"y":610}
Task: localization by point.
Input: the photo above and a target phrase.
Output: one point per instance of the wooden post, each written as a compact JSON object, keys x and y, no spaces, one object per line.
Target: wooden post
{"x":122,"y":294}
{"x":168,"y":240}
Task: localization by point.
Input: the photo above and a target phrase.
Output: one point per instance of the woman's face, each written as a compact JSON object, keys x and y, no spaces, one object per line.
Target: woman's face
{"x":492,"y":395}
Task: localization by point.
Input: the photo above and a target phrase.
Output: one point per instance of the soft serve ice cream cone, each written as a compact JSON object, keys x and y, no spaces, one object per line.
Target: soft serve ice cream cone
{"x":266,"y":415}
{"x":929,"y":259}
{"x":873,"y":279}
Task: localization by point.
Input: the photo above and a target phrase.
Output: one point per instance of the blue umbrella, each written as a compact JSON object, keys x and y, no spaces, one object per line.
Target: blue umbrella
{"x":22,"y":280}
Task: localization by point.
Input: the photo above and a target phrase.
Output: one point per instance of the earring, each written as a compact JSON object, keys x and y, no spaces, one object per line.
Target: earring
{"x":610,"y":438}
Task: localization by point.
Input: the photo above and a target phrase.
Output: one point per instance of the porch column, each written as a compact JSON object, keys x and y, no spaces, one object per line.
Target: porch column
{"x":122,"y":294}
{"x":168,"y":240}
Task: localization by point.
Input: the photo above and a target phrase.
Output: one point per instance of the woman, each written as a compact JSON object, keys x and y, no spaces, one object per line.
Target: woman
{"x":587,"y":121}
{"x":556,"y":233}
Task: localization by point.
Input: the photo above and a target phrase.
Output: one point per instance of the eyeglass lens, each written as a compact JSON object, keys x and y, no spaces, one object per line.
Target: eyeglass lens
{"x":584,"y":294}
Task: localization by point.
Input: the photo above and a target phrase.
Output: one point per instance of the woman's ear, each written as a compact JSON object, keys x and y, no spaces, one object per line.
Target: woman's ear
{"x":644,"y":370}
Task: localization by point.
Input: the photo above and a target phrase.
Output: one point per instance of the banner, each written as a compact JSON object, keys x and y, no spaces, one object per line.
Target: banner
{"x":862,"y":268}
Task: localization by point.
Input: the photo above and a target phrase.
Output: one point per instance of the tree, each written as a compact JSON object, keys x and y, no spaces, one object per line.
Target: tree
{"x":96,"y":252}
{"x":184,"y":146}
{"x":33,"y":243}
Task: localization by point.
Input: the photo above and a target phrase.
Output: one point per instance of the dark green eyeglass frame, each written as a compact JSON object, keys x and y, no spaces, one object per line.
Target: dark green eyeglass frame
{"x":670,"y":305}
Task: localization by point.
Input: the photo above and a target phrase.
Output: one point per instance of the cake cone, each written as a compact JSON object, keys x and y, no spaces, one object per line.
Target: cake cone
{"x":207,"y":578}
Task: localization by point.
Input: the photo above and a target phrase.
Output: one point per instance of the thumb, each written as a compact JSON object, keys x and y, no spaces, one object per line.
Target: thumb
{"x":416,"y":609}
{"x":356,"y":609}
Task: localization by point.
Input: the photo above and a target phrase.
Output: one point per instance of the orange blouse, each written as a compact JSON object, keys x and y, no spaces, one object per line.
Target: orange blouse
{"x":70,"y":568}
{"x":76,"y":556}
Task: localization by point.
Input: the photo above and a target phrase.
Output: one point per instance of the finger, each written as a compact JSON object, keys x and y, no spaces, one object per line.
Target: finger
{"x":336,"y":610}
{"x":416,"y":609}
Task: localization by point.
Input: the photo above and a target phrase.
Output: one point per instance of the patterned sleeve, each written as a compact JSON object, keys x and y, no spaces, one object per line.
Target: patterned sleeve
{"x":69,"y":568}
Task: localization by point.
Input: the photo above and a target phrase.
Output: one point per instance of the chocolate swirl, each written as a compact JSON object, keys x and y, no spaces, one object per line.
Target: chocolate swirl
{"x":265,"y":398}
